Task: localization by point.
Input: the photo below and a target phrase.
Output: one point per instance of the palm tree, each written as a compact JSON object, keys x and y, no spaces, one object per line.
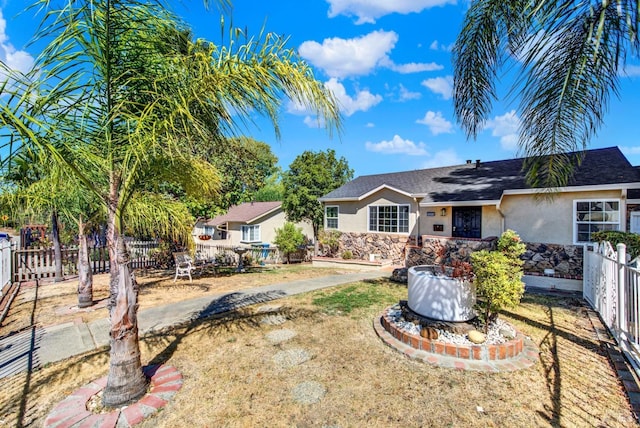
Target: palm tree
{"x":119,"y":86}
{"x":570,"y":55}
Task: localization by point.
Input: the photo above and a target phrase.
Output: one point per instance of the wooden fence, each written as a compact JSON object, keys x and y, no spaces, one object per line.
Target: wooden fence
{"x":39,"y":263}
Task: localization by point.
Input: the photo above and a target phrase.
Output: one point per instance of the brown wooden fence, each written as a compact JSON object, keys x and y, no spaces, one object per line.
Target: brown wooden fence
{"x":39,"y":263}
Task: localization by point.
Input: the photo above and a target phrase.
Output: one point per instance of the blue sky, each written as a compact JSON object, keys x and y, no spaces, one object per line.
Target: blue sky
{"x":389,"y":64}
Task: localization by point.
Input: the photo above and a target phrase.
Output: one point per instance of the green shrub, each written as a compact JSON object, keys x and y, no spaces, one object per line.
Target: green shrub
{"x":330,"y":241}
{"x":498,"y":276}
{"x":615,"y":237}
{"x":347,"y":255}
{"x":288,"y":239}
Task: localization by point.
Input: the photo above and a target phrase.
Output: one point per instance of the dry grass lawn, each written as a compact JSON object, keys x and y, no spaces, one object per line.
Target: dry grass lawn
{"x":232,"y":380}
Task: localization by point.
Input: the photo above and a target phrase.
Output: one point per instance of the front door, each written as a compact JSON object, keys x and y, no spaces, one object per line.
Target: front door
{"x":467,"y":221}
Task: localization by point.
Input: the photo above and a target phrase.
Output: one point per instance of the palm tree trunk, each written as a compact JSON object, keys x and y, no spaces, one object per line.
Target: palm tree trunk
{"x":125,"y":383}
{"x":57,"y":250}
{"x":85,"y":275}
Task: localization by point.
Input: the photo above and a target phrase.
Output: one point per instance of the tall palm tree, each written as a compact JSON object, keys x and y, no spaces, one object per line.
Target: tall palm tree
{"x":570,"y":55}
{"x":121,"y":85}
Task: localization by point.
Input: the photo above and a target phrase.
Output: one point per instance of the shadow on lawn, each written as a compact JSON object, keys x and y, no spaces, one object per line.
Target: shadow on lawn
{"x":223,"y":312}
{"x":563,"y":356}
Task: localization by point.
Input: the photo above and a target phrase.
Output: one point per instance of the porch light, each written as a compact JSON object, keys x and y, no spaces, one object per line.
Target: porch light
{"x":443,"y":212}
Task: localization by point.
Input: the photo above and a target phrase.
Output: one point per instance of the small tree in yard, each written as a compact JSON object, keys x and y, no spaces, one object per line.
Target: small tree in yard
{"x":288,"y":239}
{"x":498,"y":275}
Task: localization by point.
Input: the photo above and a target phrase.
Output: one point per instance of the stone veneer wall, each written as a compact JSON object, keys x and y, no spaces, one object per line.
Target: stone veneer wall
{"x":565,"y":260}
{"x":442,"y":251}
{"x":361,"y":245}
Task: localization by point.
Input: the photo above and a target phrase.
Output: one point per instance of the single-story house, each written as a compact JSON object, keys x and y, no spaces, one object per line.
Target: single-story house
{"x":249,"y":223}
{"x":479,"y":200}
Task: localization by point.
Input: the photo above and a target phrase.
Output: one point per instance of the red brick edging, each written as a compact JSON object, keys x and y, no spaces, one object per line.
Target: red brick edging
{"x":516,"y":354}
{"x":72,"y":411}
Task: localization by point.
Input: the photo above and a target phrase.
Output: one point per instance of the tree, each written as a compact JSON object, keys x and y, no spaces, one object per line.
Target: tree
{"x":288,"y":239}
{"x":244,"y":164}
{"x":272,"y":190}
{"x":121,"y":88}
{"x":570,"y":56}
{"x":312,"y":175}
{"x":498,"y":275}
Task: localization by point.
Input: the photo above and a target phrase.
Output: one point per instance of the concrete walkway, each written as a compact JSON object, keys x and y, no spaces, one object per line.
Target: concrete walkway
{"x":38,"y":346}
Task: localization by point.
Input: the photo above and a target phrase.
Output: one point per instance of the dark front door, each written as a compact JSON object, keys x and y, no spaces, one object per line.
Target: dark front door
{"x":467,"y":221}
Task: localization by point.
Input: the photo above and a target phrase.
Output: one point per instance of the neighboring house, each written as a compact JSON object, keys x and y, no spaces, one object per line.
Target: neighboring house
{"x":246,"y":224}
{"x":479,"y":200}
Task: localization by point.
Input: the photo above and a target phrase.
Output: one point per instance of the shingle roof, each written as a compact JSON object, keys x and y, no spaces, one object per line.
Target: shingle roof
{"x":245,"y":213}
{"x":487,"y":181}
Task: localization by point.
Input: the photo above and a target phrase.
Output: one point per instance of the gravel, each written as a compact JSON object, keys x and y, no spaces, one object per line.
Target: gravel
{"x":291,"y":358}
{"x":499,"y":331}
{"x":279,"y":336}
{"x":308,"y":392}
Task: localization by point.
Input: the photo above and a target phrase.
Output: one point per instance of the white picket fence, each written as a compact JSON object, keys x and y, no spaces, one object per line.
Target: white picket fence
{"x":612,"y":287}
{"x":5,"y":265}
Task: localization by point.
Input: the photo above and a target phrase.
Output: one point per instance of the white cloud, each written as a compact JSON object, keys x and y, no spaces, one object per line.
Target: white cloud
{"x":359,"y":56}
{"x":627,"y":150}
{"x":437,"y":123}
{"x":412,"y":67}
{"x":631,"y":71}
{"x":370,"y":125}
{"x":14,"y":59}
{"x":314,"y":121}
{"x":350,"y":57}
{"x":446,"y":157}
{"x":397,"y":145}
{"x":367,"y":11}
{"x":406,"y":95}
{"x":440,"y":85}
{"x":505,"y":127}
{"x":363,"y":100}
{"x":437,"y":46}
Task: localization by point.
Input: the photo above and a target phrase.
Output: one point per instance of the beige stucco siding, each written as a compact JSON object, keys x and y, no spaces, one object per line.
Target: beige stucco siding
{"x":268,"y":225}
{"x":491,"y":221}
{"x":353,"y":216}
{"x":548,"y":220}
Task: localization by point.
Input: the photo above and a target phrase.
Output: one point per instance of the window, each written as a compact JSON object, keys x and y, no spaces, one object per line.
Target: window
{"x":389,"y":218}
{"x":209,"y":230}
{"x":594,"y":215}
{"x":331,"y":216}
{"x":251,"y":233}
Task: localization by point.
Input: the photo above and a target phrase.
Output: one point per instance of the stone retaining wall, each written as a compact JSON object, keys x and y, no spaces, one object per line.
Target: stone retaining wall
{"x":565,"y":260}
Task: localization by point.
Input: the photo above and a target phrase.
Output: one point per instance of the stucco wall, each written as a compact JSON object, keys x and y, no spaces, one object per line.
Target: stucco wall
{"x":547,"y":220}
{"x":268,"y":225}
{"x":353,"y":216}
{"x":491,"y":221}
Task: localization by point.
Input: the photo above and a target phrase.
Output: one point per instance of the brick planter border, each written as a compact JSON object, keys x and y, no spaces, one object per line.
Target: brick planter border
{"x":72,"y":411}
{"x":516,"y":354}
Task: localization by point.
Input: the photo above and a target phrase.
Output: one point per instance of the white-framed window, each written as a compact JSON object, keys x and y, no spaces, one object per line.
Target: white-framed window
{"x":251,"y":233}
{"x":331,"y":216}
{"x":389,"y":218}
{"x":592,"y":215}
{"x":209,"y":230}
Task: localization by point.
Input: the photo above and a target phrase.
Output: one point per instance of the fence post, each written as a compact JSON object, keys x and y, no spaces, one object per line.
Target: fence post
{"x":622,"y":260}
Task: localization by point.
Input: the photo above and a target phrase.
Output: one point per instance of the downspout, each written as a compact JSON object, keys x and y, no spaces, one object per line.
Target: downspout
{"x":502,"y":218}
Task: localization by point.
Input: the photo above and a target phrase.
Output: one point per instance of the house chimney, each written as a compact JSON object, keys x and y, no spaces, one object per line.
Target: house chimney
{"x":468,"y":161}
{"x":477,"y":163}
